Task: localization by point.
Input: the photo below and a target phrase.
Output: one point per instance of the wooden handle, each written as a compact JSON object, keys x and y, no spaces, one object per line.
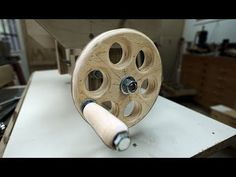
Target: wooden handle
{"x":113,"y":132}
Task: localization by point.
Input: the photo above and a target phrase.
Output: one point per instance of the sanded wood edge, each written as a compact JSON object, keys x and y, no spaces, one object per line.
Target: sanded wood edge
{"x":217,"y":147}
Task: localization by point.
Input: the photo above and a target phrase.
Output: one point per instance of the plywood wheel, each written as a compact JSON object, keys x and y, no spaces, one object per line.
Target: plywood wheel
{"x":95,"y":61}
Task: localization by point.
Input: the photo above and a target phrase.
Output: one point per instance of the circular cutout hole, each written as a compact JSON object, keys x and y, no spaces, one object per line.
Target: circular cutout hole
{"x":129,"y":109}
{"x":144,"y":86}
{"x":132,"y":109}
{"x":94,"y":80}
{"x":148,"y":86}
{"x":115,"y":53}
{"x":107,"y":105}
{"x":140,"y":59}
{"x":144,"y":59}
{"x":111,"y":107}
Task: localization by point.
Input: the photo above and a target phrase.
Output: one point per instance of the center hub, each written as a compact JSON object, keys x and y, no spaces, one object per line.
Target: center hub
{"x":128,"y":85}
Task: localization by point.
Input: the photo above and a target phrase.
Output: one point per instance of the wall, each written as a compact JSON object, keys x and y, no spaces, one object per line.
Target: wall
{"x":217,"y":30}
{"x":75,"y":34}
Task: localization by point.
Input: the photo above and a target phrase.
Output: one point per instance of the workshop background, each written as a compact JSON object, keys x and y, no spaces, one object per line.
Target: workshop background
{"x":198,"y":57}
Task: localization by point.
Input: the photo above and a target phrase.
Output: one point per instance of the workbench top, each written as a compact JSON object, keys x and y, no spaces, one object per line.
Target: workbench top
{"x":48,"y":125}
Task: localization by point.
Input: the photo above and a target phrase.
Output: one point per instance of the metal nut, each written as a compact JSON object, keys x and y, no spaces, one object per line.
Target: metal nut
{"x":122,"y":141}
{"x":128,"y":85}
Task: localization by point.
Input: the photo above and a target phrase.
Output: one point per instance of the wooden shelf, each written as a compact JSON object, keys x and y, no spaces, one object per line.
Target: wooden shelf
{"x":213,"y":77}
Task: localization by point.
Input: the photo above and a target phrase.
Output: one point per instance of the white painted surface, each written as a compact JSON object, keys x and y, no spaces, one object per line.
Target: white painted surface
{"x":50,"y":126}
{"x":217,"y":30}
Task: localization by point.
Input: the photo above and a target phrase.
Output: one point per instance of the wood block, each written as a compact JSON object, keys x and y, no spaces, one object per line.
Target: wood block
{"x":225,"y":115}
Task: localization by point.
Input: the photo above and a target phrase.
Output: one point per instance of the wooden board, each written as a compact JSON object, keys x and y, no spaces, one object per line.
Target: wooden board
{"x":48,"y":125}
{"x":224,"y":114}
{"x":75,"y":33}
{"x":66,"y":58}
{"x":61,"y":58}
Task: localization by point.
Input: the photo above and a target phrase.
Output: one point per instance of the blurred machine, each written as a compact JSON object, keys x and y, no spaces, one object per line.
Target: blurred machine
{"x":9,"y":96}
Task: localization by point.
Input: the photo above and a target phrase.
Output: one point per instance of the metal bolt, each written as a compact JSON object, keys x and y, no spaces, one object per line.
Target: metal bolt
{"x":97,"y":74}
{"x":128,"y":85}
{"x":121,"y":141}
{"x":132,"y":86}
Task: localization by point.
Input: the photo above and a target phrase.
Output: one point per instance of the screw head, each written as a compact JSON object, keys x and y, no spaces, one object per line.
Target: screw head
{"x":97,"y":74}
{"x":132,"y":87}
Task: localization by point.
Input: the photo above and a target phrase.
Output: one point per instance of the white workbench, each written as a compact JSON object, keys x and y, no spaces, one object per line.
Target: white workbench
{"x":49,"y":125}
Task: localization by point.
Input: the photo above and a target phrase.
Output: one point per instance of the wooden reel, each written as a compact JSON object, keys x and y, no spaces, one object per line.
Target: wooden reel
{"x":128,"y":82}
